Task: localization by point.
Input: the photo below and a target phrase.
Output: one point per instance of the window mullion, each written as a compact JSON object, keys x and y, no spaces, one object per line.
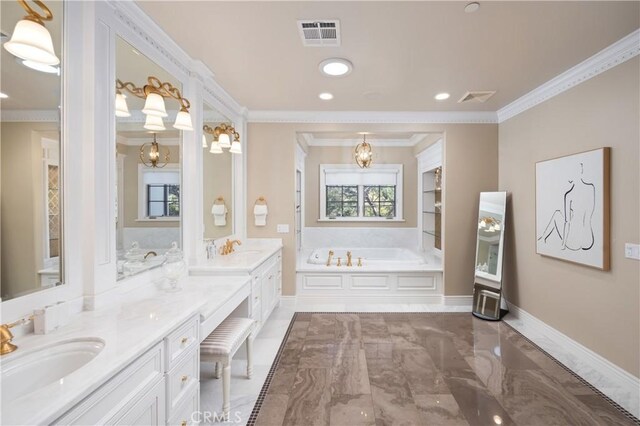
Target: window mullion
{"x":360,"y":200}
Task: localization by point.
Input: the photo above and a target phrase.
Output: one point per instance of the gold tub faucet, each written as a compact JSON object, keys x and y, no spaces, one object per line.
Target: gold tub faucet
{"x":349,"y":259}
{"x":330,"y":256}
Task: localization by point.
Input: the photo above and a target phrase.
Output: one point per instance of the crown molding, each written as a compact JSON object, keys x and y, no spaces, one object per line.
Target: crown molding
{"x":29,"y":115}
{"x":615,"y":54}
{"x":411,"y":141}
{"x":374,"y":117}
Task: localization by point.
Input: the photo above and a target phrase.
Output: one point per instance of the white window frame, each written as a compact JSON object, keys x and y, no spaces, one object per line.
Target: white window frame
{"x":142,"y":193}
{"x":376,"y":168}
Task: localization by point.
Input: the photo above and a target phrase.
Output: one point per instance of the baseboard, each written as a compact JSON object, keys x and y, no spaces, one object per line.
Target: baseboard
{"x":387,"y":299}
{"x":458,"y":301}
{"x":619,"y":385}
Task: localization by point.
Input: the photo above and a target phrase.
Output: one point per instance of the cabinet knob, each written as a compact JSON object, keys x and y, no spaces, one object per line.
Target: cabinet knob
{"x":184,"y":378}
{"x":184,"y":340}
{"x":183,"y":423}
{"x":270,"y":276}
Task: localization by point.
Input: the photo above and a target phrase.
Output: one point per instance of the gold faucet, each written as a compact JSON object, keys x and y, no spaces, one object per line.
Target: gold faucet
{"x":227,"y":248}
{"x":6,"y":336}
{"x":339,"y":262}
{"x":359,"y":261}
{"x":330,"y":256}
{"x":349,"y":259}
{"x":151,"y":253}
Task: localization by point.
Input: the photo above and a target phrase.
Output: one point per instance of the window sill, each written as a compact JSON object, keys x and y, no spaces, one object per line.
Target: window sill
{"x":159,"y":219}
{"x":360,"y":219}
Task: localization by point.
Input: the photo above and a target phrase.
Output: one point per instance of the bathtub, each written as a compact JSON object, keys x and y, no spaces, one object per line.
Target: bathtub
{"x":369,"y":256}
{"x":387,"y":275}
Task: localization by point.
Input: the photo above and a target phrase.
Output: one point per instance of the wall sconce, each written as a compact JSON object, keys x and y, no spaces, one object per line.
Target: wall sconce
{"x":151,"y":158}
{"x":222,"y":139}
{"x":363,"y":153}
{"x":154,"y":107}
{"x":30,"y":40}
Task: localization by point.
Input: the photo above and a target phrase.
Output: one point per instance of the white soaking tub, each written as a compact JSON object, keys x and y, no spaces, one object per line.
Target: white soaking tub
{"x":387,"y":275}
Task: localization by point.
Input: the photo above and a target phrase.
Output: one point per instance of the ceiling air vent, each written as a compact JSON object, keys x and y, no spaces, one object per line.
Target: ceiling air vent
{"x":320,"y":33}
{"x":477,"y":96}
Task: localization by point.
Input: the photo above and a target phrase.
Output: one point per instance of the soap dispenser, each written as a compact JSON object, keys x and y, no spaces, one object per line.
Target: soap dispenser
{"x":173,"y":267}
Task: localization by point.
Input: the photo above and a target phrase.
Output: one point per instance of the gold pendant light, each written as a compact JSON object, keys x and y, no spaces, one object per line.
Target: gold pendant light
{"x":363,"y":153}
{"x":150,"y":154}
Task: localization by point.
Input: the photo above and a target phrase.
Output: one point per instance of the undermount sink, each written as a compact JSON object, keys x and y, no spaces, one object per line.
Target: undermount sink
{"x":245,"y":253}
{"x":24,"y":373}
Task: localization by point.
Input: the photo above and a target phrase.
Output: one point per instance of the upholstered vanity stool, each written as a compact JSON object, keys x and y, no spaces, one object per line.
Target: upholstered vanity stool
{"x":220,"y":346}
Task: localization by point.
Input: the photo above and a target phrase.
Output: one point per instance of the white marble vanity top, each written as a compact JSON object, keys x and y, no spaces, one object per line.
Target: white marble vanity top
{"x":245,"y":258}
{"x":129,"y":328}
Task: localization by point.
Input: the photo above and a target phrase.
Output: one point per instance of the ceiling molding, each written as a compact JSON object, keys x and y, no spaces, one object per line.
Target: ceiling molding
{"x":141,"y":141}
{"x":617,"y":53}
{"x":374,"y":117}
{"x":411,"y":141}
{"x":27,"y":115}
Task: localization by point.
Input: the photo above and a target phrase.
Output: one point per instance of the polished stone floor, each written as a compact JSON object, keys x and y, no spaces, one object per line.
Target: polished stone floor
{"x":422,"y":369}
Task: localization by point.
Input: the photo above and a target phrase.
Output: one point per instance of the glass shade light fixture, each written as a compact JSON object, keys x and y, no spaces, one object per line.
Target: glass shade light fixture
{"x":30,"y":40}
{"x":363,"y":153}
{"x":204,"y":141}
{"x":222,"y":135}
{"x":150,"y":154}
{"x":122,"y":109}
{"x":154,"y":93}
{"x":489,"y":224}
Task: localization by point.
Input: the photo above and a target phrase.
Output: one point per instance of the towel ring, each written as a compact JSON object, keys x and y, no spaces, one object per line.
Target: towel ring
{"x":218,"y":201}
{"x":261,"y":201}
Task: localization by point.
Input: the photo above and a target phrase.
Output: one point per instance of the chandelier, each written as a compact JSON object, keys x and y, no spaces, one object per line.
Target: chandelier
{"x":150,"y":154}
{"x":222,"y":138}
{"x":154,"y":93}
{"x":489,"y":224}
{"x":363,"y":153}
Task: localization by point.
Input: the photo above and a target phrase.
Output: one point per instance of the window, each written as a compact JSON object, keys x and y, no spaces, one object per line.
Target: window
{"x":348,"y":193}
{"x":379,"y":201}
{"x":342,"y":201}
{"x":159,"y":193}
{"x":163,"y":200}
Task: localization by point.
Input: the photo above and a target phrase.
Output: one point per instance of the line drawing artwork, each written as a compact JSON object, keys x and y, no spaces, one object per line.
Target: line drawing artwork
{"x":572,"y":224}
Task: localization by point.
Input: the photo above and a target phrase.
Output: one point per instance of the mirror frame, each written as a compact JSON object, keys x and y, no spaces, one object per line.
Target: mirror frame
{"x":482,"y":277}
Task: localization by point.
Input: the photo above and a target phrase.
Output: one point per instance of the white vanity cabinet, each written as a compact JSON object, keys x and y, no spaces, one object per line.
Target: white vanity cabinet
{"x":266,"y":289}
{"x":161,"y":386}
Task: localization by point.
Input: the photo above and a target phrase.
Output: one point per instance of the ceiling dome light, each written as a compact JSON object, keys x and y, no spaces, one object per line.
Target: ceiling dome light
{"x":154,"y":123}
{"x":442,"y":96}
{"x":31,"y":41}
{"x":472,"y":7}
{"x":183,"y":120}
{"x":154,"y":105}
{"x":49,"y":69}
{"x":325,"y":96}
{"x":335,"y":67}
{"x":122,"y":109}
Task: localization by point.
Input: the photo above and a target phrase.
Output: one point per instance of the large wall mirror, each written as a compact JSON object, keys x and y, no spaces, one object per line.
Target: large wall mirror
{"x":217,"y":175}
{"x":30,"y":160}
{"x":148,"y":174}
{"x":489,"y":254}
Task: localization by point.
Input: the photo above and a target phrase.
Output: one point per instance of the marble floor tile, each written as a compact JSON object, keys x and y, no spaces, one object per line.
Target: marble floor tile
{"x":310,"y":399}
{"x":440,"y":409}
{"x":421,"y":373}
{"x":604,"y":410}
{"x":273,"y":410}
{"x":350,"y":376}
{"x":352,"y":410}
{"x":378,"y":350}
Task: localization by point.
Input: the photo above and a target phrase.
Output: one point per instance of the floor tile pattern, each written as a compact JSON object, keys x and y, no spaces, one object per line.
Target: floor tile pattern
{"x":421,"y":369}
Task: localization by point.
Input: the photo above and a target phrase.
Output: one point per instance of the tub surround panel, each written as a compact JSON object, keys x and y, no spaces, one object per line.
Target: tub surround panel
{"x":129,"y":328}
{"x":360,"y":237}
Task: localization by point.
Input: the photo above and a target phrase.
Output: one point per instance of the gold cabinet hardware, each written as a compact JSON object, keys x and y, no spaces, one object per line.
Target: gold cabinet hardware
{"x":184,"y":340}
{"x":184,"y":423}
{"x":184,"y":378}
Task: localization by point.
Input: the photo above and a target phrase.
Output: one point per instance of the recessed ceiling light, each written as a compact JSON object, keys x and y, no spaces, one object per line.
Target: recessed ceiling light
{"x":325,"y":96}
{"x":49,"y":69}
{"x":335,"y":67}
{"x":3,"y":95}
{"x":472,"y":7}
{"x":441,"y":96}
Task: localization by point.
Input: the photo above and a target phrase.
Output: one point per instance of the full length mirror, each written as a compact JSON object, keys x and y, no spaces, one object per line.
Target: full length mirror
{"x":30,"y":152}
{"x":490,"y":235}
{"x":148,"y":207}
{"x":217,"y":175}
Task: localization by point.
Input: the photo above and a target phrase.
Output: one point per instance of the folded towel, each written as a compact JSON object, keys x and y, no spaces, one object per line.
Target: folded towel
{"x":219,"y":212}
{"x":260,"y":209}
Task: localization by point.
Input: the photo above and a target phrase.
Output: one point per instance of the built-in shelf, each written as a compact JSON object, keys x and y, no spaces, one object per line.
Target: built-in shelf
{"x":430,"y":212}
{"x":434,"y":233}
{"x":432,"y":190}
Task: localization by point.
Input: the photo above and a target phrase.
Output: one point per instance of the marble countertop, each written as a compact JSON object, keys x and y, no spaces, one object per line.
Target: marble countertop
{"x":247,"y":257}
{"x":129,"y":328}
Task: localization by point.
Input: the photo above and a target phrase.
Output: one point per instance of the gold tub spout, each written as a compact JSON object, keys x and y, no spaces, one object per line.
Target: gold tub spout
{"x":349,"y":259}
{"x":330,"y":256}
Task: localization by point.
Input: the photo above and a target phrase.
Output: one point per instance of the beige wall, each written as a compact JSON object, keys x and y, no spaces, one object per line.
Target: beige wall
{"x":22,"y":205}
{"x":131,"y":161}
{"x":344,"y":155}
{"x":471,"y":166}
{"x":598,"y":309}
{"x":217,"y":182}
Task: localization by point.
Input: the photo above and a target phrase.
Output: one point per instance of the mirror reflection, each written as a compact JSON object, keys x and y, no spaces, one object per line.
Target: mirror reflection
{"x":490,"y":234}
{"x":148,"y":207}
{"x":30,"y":153}
{"x":217,"y":166}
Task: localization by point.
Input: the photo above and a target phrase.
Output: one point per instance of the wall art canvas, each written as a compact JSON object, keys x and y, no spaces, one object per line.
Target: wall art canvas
{"x":572,"y":208}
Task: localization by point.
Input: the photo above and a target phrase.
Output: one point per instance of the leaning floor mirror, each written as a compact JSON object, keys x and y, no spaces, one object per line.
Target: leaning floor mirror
{"x":487,"y":289}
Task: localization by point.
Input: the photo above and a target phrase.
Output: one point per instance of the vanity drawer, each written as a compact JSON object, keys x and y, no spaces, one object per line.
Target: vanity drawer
{"x":121,"y":393}
{"x":187,"y":413}
{"x":180,"y":379}
{"x":183,"y":339}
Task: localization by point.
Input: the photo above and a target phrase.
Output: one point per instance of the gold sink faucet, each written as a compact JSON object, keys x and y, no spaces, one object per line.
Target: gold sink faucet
{"x":227,"y":248}
{"x":330,"y":256}
{"x":151,"y":253}
{"x":6,"y":336}
{"x":349,"y":259}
